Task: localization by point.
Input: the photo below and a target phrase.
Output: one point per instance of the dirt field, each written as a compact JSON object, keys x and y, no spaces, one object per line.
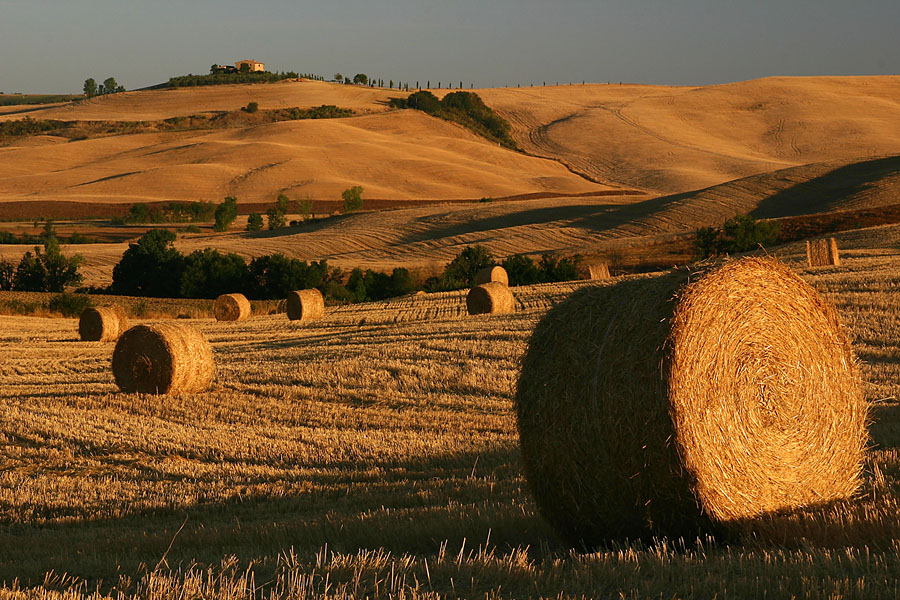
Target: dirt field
{"x":374,"y":453}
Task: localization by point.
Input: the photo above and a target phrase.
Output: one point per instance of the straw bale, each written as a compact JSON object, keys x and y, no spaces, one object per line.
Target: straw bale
{"x":232,"y":307}
{"x":598,"y":271}
{"x":489,"y":274}
{"x":102,"y":324}
{"x":822,"y":253}
{"x":668,"y":406}
{"x":490,"y":298}
{"x":163,"y":358}
{"x":305,"y":305}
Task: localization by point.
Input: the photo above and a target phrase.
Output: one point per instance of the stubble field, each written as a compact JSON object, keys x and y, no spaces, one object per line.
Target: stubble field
{"x":374,"y":453}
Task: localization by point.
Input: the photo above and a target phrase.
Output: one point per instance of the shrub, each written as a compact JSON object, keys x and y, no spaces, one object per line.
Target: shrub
{"x":209,"y":274}
{"x":70,"y":305}
{"x":254,"y":222}
{"x":251,"y":107}
{"x":521,"y":270}
{"x":738,"y":234}
{"x":225,"y":214}
{"x":47,"y":271}
{"x":276,"y":219}
{"x":150,"y":267}
{"x":352,"y":198}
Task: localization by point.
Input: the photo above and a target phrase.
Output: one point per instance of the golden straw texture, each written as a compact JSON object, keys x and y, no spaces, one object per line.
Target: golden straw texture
{"x":490,"y":298}
{"x":489,"y":274}
{"x":305,"y":305}
{"x":662,"y":406}
{"x":162,"y":359}
{"x":822,"y":253}
{"x":232,"y":307}
{"x":598,"y":271}
{"x":102,"y":324}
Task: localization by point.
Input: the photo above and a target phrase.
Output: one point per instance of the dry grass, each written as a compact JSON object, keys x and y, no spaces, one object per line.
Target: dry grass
{"x":385,"y":431}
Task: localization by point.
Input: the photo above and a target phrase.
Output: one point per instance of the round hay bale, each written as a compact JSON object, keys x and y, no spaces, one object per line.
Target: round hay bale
{"x":102,"y":324}
{"x":162,"y":359}
{"x":489,"y":274}
{"x":281,"y":306}
{"x":232,"y":307}
{"x":490,"y":298}
{"x":661,"y":406}
{"x":305,"y":305}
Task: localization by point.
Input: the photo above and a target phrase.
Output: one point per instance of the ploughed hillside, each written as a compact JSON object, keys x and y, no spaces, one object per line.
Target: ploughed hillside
{"x":667,"y":139}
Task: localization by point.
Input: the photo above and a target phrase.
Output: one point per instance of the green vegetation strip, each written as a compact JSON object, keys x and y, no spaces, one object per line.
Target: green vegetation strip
{"x":80,"y":130}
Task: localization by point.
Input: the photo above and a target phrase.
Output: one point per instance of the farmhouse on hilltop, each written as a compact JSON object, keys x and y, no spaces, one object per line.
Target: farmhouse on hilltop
{"x":251,"y":64}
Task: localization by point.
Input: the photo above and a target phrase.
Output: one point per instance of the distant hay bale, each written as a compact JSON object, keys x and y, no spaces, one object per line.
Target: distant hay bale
{"x":489,"y":274}
{"x":162,"y":359}
{"x":305,"y":305}
{"x":232,"y":307}
{"x":596,"y":271}
{"x":490,"y":298}
{"x":102,"y":324}
{"x":661,"y":406}
{"x":281,"y":306}
{"x":822,"y":253}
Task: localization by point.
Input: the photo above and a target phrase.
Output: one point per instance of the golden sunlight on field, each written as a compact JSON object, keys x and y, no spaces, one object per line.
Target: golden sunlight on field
{"x":386,"y":431}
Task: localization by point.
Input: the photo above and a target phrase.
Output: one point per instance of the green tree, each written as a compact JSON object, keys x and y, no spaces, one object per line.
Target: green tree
{"x":361,"y":78}
{"x":305,"y":207}
{"x":225,"y":214}
{"x":276,"y":219}
{"x":47,"y":271}
{"x":208,"y":274}
{"x":338,"y":77}
{"x":110,"y":86}
{"x":254,"y":222}
{"x":462,"y":270}
{"x":150,"y":267}
{"x":90,"y":87}
{"x":7,"y":275}
{"x":282,"y":204}
{"x":744,"y":233}
{"x":521,"y":270}
{"x":251,"y":107}
{"x":352,"y":198}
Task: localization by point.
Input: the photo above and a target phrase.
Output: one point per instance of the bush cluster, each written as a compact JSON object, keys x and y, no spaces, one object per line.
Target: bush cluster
{"x":24,"y":127}
{"x":738,"y":234}
{"x":465,"y":108}
{"x":171,"y":212}
{"x":461,"y":272}
{"x":44,"y":270}
{"x":228,"y":78}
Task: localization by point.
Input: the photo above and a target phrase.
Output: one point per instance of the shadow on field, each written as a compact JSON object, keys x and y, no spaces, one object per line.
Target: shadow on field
{"x":884,"y":428}
{"x":827,"y":191}
{"x":401,"y":506}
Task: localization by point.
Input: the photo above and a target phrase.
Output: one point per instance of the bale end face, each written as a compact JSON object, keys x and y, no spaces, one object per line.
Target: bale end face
{"x":162,"y":359}
{"x":102,"y":324}
{"x":232,"y":307}
{"x":641,"y":415}
{"x":490,"y":298}
{"x":305,"y":305}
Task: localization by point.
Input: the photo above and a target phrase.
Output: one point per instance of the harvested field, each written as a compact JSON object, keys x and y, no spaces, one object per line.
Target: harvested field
{"x":385,"y":430}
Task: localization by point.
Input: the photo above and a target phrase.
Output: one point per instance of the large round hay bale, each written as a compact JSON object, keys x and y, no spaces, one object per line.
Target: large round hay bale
{"x":162,"y":359}
{"x":305,"y":305}
{"x":490,"y":298}
{"x":232,"y":307}
{"x":102,"y":324}
{"x":667,"y":406}
{"x":489,"y":274}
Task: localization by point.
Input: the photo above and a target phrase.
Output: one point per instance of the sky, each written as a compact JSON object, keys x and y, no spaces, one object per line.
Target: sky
{"x":49,"y":46}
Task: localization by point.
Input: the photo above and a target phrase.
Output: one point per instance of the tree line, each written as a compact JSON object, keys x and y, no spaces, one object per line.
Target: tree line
{"x":109,"y":86}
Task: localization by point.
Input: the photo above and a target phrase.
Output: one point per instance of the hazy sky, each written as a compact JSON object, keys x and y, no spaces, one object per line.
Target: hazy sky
{"x":54,"y":45}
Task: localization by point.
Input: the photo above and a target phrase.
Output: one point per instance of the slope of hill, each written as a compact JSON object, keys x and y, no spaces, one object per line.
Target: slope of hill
{"x":674,"y":139}
{"x":397,"y":155}
{"x":153,"y":105}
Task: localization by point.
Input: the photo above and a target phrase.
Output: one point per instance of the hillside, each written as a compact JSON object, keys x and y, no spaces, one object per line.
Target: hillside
{"x":397,"y":155}
{"x":668,"y":139}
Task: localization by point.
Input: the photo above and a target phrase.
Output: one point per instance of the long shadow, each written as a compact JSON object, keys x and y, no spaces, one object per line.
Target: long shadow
{"x":597,"y":217}
{"x":826,"y":191}
{"x":406,"y":506}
